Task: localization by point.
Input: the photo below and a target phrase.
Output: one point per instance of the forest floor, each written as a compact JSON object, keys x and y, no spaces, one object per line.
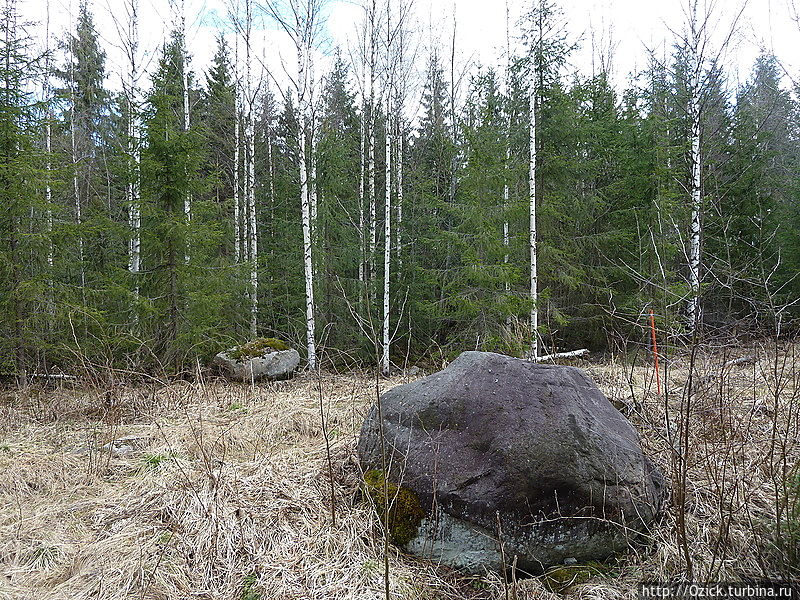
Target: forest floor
{"x":216,"y":490}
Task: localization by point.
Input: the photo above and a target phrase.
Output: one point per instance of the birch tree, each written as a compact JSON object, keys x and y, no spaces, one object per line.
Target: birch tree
{"x":371,"y":19}
{"x":507,"y":173}
{"x":250,"y":184}
{"x":695,"y":230}
{"x":129,"y":37}
{"x":48,"y":167}
{"x":393,"y":100}
{"x":301,"y":24}
{"x":387,"y":208}
{"x":362,"y":182}
{"x":696,"y":40}
{"x":237,"y":234}
{"x":187,"y":203}
{"x":533,"y":80}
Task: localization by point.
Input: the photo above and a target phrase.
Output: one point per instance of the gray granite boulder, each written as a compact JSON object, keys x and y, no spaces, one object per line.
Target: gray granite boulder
{"x":537,"y":448}
{"x":263,"y":358}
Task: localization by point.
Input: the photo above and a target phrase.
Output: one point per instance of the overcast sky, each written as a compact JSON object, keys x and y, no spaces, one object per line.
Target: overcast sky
{"x":626,"y":29}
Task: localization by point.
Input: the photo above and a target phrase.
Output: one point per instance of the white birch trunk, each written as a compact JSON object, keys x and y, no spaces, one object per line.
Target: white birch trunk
{"x":237,"y":233}
{"x":371,"y":148}
{"x":693,"y":308}
{"x":312,"y":129}
{"x":372,"y":194}
{"x":48,"y":194}
{"x":134,"y":214}
{"x":133,"y":187}
{"x":454,"y":129}
{"x":398,"y":230}
{"x":250,"y":176}
{"x":532,"y":213}
{"x":303,"y":53}
{"x":506,"y":238}
{"x":387,"y":248}
{"x":187,"y":202}
{"x":361,"y":191}
{"x":51,"y":308}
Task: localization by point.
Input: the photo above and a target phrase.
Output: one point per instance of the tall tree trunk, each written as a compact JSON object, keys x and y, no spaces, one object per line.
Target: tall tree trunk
{"x":387,"y":246}
{"x":133,"y":187}
{"x":532,"y":210}
{"x":237,"y":233}
{"x":303,"y":54}
{"x":250,"y":177}
{"x":51,"y":307}
{"x":507,"y":141}
{"x":187,"y":202}
{"x":454,"y":132}
{"x":312,"y":159}
{"x":371,"y":151}
{"x":693,"y":308}
{"x":362,"y":253}
{"x":398,"y":230}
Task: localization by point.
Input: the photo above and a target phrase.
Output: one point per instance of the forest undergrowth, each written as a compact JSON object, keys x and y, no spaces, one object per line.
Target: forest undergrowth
{"x":221,"y":491}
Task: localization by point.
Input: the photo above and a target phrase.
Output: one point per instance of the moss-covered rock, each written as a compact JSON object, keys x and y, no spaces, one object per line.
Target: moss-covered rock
{"x":258,"y":347}
{"x":261,"y":358}
{"x":405,"y":513}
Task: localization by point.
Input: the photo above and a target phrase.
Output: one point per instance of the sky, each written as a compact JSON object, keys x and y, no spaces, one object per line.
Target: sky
{"x":626,"y":30}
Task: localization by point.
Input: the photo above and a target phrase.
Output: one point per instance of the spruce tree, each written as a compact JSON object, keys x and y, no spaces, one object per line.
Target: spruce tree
{"x":169,"y":165}
{"x":24,"y":236}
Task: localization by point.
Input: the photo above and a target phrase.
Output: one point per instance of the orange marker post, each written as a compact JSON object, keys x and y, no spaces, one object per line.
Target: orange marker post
{"x":655,"y":350}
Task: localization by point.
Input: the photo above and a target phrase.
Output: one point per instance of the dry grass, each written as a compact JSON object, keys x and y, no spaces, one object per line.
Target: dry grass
{"x":223,"y":491}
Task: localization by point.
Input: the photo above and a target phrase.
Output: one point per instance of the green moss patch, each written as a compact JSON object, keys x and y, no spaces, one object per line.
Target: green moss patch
{"x":258,"y":347}
{"x":560,"y":579}
{"x":405,"y":513}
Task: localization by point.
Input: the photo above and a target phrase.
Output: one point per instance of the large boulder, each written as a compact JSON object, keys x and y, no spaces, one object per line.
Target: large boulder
{"x":497,"y":444}
{"x":263,"y":358}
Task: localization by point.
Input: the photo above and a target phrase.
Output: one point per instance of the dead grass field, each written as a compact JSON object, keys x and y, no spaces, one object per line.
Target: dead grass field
{"x":222,"y":491}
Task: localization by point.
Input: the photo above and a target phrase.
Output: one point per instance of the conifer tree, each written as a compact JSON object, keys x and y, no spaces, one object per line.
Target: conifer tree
{"x":169,"y":164}
{"x":24,"y":235}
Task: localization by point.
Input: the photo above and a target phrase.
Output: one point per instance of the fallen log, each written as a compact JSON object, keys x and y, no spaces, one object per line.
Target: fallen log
{"x":744,"y":360}
{"x":570,"y":354}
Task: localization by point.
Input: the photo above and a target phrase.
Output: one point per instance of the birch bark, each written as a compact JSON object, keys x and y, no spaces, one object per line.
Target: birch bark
{"x":48,"y":167}
{"x":306,"y":210}
{"x":250,"y":175}
{"x":133,"y":187}
{"x":371,"y":148}
{"x":387,"y":248}
{"x":237,"y":233}
{"x":398,"y":230}
{"x":387,"y":207}
{"x":362,"y":188}
{"x":532,"y":92}
{"x":506,"y":238}
{"x":187,"y":202}
{"x":695,"y":231}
